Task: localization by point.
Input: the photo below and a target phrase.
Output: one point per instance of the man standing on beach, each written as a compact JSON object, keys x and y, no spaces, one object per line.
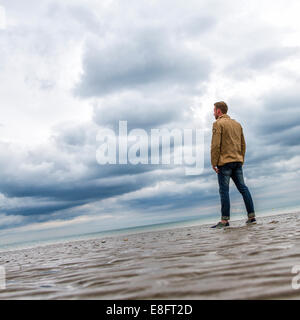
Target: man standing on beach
{"x":228,"y":149}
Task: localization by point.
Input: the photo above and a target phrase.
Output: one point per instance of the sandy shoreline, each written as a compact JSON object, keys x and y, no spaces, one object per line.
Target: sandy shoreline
{"x":241,"y":262}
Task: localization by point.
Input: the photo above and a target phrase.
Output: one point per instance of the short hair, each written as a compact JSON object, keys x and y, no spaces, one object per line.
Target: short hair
{"x":222,"y":106}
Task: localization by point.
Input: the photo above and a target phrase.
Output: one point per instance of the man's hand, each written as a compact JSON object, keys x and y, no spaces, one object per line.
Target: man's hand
{"x":216,"y":169}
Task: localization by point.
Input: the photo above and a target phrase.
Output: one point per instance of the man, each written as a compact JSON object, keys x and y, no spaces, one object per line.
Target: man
{"x":228,"y":149}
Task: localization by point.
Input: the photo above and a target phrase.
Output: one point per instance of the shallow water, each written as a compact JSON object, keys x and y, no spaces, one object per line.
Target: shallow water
{"x":240,"y":262}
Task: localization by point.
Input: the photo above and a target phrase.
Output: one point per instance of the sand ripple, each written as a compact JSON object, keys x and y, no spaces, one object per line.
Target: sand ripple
{"x":241,"y":262}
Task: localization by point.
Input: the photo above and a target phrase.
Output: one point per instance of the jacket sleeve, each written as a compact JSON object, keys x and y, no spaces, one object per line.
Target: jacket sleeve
{"x":243,"y":145}
{"x":215,"y":148}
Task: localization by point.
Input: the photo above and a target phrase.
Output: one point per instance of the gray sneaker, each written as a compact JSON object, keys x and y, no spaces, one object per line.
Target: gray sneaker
{"x":251,"y":221}
{"x":221,"y":225}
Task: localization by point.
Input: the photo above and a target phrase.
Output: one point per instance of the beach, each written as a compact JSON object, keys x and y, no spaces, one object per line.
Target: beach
{"x":195,"y":262}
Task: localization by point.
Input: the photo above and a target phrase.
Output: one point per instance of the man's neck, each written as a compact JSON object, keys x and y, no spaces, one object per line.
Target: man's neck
{"x":222,"y":115}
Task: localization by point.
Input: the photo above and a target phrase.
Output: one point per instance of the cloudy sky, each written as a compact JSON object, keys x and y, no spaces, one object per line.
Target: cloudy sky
{"x":69,"y":68}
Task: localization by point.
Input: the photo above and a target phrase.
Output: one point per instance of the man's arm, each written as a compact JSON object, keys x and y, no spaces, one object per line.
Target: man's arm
{"x":243,"y":146}
{"x":215,"y":148}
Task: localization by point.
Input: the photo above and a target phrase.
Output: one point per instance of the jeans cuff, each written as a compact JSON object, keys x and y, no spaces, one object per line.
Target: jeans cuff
{"x":251,"y":215}
{"x":225,"y":218}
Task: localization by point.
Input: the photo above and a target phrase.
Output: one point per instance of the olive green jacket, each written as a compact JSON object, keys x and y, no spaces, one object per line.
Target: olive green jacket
{"x":228,"y":142}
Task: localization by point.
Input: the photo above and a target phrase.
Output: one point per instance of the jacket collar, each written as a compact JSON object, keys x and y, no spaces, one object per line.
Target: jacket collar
{"x":224,"y":116}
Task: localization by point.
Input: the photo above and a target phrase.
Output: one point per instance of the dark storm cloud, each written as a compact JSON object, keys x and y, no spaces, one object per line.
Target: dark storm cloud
{"x":289,"y":137}
{"x":149,"y":57}
{"x":279,"y":112}
{"x":77,"y":190}
{"x":58,"y":185}
{"x":55,"y":180}
{"x":171,"y":201}
{"x":37,"y":210}
{"x":52,"y":182}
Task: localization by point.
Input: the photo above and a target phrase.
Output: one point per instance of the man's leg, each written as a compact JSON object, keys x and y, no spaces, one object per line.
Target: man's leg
{"x":238,"y":179}
{"x":223,"y":179}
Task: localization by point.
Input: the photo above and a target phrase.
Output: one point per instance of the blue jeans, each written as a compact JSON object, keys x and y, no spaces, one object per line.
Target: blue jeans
{"x":235,"y":171}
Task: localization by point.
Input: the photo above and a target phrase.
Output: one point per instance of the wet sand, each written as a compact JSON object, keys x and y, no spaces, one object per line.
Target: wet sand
{"x":241,"y":262}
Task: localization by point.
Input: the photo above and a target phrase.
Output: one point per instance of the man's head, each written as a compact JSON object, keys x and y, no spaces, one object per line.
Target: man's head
{"x":220,"y":108}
